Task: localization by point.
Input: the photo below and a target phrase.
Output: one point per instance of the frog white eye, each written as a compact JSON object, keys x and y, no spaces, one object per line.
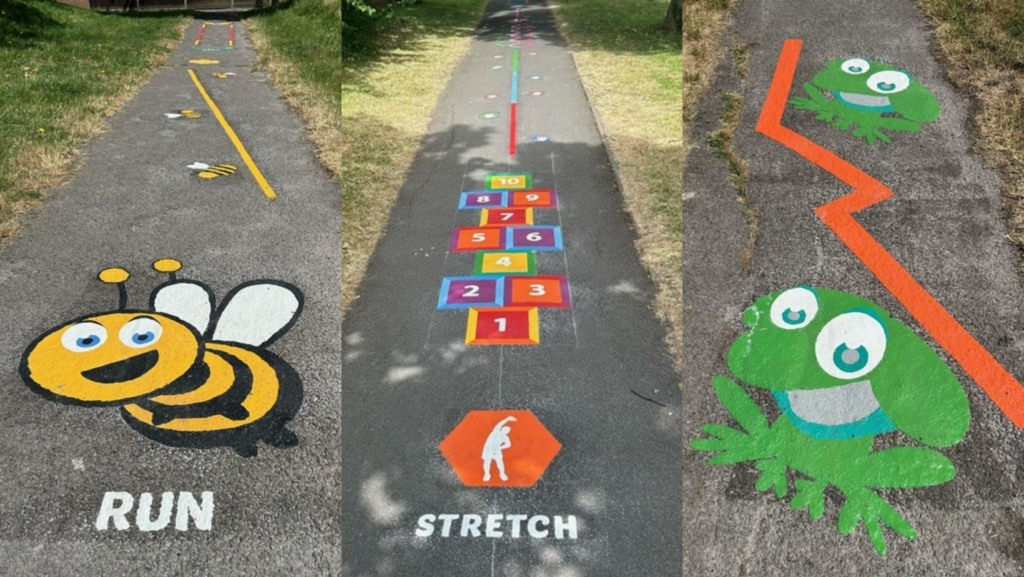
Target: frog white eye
{"x":855,"y":66}
{"x":84,"y":336}
{"x":851,"y":345}
{"x":794,"y":308}
{"x":140,"y":332}
{"x":889,"y":81}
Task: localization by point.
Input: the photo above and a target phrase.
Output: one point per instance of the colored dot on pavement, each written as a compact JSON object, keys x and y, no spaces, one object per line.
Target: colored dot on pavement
{"x":536,"y":93}
{"x":536,"y":78}
{"x":532,"y":53}
{"x":489,"y":115}
{"x":497,"y":56}
{"x":491,"y":96}
{"x":540,"y":138}
{"x":496,"y":67}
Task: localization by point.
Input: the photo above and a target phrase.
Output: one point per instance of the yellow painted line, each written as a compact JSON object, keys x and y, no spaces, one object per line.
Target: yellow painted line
{"x":234,"y":138}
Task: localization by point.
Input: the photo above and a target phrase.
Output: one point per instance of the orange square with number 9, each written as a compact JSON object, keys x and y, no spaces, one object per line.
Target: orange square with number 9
{"x":537,"y":291}
{"x":541,"y":198}
{"x":477,"y":238}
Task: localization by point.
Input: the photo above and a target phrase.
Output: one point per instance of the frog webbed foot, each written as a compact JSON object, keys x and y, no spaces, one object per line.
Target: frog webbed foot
{"x":870,"y":134}
{"x":864,"y":505}
{"x":735,"y":445}
{"x":773,"y":476}
{"x":810,"y":493}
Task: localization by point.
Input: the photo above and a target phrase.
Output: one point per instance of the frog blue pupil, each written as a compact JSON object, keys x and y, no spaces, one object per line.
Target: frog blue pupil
{"x":850,"y":360}
{"x":886,"y":86}
{"x":140,"y":338}
{"x":791,"y":317}
{"x":855,"y":69}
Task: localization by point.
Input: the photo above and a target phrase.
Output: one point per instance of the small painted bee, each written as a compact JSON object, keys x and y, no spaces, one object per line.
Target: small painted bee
{"x":184,"y":374}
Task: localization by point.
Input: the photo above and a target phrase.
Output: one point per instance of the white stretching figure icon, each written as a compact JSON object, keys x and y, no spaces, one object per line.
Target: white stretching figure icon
{"x":497,"y":442}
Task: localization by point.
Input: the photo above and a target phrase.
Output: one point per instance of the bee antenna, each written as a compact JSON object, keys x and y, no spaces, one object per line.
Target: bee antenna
{"x":169,"y":266}
{"x":117,"y":276}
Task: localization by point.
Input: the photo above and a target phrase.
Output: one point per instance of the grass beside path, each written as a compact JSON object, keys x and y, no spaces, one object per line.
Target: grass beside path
{"x":62,"y":70}
{"x":633,"y":72}
{"x":983,"y":45}
{"x":383,"y":93}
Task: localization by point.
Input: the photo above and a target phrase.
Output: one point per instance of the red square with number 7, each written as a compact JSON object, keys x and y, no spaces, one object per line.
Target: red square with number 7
{"x":506,"y":326}
{"x":477,"y":238}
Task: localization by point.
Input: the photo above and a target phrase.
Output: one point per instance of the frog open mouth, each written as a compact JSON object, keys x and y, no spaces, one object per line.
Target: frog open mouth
{"x":123,"y":371}
{"x":839,"y":405}
{"x":864,"y":101}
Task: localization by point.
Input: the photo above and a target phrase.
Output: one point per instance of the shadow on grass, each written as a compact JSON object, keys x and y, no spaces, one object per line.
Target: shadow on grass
{"x":22,"y":25}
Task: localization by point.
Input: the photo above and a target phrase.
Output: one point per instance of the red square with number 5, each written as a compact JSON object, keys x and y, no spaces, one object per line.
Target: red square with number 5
{"x":507,"y":326}
{"x":477,"y":238}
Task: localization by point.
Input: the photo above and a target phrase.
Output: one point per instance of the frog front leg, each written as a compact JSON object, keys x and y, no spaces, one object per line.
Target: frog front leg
{"x":825,"y":108}
{"x":899,"y":467}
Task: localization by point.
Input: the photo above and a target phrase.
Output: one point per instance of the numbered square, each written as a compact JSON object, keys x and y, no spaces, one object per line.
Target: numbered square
{"x":505,"y":263}
{"x":533,"y":237}
{"x":537,"y":291}
{"x":506,"y":216}
{"x":466,"y":239}
{"x":507,"y":181}
{"x":540,"y":198}
{"x":506,"y":326}
{"x":463,"y":292}
{"x":474,"y":199}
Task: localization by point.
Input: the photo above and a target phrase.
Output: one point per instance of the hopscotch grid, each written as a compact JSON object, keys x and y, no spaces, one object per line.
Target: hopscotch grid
{"x":565,"y":259}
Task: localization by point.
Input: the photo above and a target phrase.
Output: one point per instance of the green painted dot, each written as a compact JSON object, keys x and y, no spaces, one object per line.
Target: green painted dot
{"x":490,"y":115}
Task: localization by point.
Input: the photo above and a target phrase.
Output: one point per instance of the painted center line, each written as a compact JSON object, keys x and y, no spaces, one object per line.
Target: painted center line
{"x":1001,"y":386}
{"x":264,"y":185}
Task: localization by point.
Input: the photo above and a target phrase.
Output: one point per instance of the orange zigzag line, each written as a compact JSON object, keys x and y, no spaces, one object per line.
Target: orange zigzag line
{"x":1004,"y":390}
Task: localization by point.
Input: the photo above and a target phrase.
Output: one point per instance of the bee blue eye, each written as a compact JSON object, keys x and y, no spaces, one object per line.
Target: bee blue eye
{"x":850,"y":360}
{"x":83,"y":336}
{"x":141,"y":332}
{"x":88,"y":342}
{"x":792,"y":317}
{"x":142,"y":338}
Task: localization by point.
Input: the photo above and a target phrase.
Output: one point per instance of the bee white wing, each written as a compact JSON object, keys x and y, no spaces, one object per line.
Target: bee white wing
{"x":186,"y":300}
{"x":257,"y":313}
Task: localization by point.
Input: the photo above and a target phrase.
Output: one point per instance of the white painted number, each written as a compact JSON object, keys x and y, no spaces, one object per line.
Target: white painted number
{"x":537,"y":290}
{"x":532,"y":197}
{"x":507,"y":215}
{"x":501,"y":324}
{"x":483,"y":199}
{"x":533,"y":237}
{"x":513,"y":181}
{"x":504,"y":261}
{"x":472,"y":290}
{"x":479,"y":237}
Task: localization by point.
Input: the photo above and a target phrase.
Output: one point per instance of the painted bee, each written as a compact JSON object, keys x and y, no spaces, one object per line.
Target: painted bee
{"x":184,"y":374}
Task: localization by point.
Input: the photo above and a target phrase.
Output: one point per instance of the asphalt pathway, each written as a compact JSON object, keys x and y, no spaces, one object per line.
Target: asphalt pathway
{"x":925,"y":243}
{"x":134,"y":200}
{"x":592,"y":450}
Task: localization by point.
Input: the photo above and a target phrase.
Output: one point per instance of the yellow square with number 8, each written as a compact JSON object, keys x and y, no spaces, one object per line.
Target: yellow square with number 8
{"x":508,"y":181}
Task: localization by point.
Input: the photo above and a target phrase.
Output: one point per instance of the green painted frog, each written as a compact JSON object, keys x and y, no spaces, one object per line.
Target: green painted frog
{"x":841,"y":371}
{"x":863,"y":91}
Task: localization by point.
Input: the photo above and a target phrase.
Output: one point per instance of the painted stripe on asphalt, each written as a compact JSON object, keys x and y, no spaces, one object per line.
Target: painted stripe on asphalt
{"x":264,"y":185}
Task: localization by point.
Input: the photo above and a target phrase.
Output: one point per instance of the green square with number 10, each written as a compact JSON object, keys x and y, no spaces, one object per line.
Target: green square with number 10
{"x":508,"y":181}
{"x":505,"y":262}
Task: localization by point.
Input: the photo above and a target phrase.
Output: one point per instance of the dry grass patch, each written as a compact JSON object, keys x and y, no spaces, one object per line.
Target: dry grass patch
{"x":702,"y":21}
{"x":62,"y":71}
{"x":633,"y":73}
{"x":983,"y":45}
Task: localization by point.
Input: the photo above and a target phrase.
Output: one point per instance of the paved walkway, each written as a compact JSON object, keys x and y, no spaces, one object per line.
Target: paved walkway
{"x":504,"y":323}
{"x":850,"y":230}
{"x":75,"y":478}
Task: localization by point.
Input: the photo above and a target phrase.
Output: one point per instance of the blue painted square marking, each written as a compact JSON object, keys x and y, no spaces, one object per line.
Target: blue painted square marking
{"x":533,"y":237}
{"x":474,"y":199}
{"x":463,"y":292}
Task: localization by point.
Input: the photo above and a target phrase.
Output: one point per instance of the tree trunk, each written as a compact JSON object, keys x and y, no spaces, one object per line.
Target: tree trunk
{"x":673,"y":17}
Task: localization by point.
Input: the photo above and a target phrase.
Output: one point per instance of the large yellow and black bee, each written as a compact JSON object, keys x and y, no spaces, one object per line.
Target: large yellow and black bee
{"x":185,"y":374}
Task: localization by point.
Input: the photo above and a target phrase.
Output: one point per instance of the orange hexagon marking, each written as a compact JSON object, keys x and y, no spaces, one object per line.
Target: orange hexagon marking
{"x":500,"y":449}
